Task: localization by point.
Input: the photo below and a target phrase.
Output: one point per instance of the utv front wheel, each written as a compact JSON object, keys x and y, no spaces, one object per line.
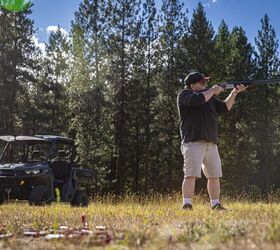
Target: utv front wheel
{"x":40,"y":195}
{"x":80,"y":199}
{"x":1,"y":198}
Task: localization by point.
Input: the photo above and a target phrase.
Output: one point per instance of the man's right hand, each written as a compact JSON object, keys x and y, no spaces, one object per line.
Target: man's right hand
{"x":217,"y":89}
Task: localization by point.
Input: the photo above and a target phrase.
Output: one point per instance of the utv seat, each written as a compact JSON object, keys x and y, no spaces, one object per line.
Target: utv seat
{"x":60,"y":168}
{"x":35,"y":156}
{"x":62,"y":173}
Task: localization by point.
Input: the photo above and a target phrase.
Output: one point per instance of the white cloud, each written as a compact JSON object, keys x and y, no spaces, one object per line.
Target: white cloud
{"x":210,"y":3}
{"x":41,"y":46}
{"x":54,"y":28}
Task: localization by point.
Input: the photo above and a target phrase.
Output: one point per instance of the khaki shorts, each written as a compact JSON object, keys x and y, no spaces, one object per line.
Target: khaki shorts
{"x":201,"y":155}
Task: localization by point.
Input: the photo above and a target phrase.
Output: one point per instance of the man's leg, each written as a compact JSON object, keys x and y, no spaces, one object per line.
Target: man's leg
{"x":213,"y":171}
{"x":193,"y":153}
{"x":188,"y":187}
{"x":213,"y":187}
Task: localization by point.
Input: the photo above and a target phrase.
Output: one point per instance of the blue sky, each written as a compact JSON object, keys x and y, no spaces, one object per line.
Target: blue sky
{"x":246,"y":13}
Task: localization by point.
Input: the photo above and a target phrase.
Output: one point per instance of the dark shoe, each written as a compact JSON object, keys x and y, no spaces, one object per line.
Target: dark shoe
{"x":218,"y":206}
{"x":187,"y":206}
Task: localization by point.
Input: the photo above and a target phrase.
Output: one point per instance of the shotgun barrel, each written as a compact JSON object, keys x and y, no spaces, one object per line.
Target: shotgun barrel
{"x":232,"y":84}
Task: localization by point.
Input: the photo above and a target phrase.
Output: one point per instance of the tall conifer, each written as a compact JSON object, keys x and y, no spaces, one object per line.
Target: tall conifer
{"x":199,"y":43}
{"x":172,"y":27}
{"x":267,"y":123}
{"x":16,"y":64}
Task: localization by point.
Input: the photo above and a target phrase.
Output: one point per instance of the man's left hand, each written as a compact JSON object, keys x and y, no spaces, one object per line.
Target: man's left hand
{"x":239,"y":88}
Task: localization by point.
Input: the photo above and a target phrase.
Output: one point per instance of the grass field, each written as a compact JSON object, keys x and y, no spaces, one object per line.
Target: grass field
{"x":147,"y":223}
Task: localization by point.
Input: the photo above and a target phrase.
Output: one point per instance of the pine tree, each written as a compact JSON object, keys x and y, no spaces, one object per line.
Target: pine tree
{"x":267,"y":102}
{"x":240,"y":64}
{"x":172,"y":28}
{"x":267,"y":46}
{"x":222,"y":54}
{"x":149,"y":36}
{"x":199,"y":43}
{"x":57,"y":70}
{"x":237,"y":152}
{"x":123,"y":25}
{"x":16,"y":64}
{"x":46,"y":112}
{"x":89,"y":88}
{"x":92,"y":17}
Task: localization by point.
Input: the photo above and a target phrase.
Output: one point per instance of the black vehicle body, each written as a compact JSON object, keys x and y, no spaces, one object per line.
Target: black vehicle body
{"x":41,"y":169}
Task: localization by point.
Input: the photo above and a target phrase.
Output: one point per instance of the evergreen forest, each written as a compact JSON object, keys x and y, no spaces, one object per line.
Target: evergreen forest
{"x":111,"y":84}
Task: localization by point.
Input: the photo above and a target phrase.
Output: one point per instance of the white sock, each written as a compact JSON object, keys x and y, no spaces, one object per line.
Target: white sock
{"x":187,"y":201}
{"x":214,"y":202}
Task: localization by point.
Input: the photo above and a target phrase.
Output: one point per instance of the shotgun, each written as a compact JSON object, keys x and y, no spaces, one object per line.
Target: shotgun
{"x":232,"y":84}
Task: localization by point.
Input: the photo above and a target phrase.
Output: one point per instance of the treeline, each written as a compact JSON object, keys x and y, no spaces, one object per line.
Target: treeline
{"x":112,"y":83}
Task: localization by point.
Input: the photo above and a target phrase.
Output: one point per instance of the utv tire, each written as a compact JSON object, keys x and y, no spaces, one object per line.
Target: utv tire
{"x":1,"y":198}
{"x":80,"y":199}
{"x":40,"y":195}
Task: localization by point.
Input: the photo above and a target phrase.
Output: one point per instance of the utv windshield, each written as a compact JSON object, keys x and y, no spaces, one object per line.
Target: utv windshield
{"x":25,"y":151}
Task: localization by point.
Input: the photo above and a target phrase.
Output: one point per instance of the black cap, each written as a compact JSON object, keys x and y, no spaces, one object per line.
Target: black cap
{"x":194,"y":77}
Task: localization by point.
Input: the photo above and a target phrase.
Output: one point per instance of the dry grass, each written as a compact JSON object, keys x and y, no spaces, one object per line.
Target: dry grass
{"x":147,"y":223}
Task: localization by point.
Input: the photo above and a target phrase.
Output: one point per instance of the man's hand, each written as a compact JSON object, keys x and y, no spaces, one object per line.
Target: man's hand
{"x":238,"y":88}
{"x":230,"y":99}
{"x":217,"y":89}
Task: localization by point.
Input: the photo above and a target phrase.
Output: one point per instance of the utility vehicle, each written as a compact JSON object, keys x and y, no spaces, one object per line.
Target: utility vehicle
{"x":41,"y":169}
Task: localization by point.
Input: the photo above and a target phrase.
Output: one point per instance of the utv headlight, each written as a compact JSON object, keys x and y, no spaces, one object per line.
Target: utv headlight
{"x":34,"y":171}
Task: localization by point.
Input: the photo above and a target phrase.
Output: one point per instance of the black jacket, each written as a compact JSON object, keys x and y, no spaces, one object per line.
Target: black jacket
{"x":199,"y":119}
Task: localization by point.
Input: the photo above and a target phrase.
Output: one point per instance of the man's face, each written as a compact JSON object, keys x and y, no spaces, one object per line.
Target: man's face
{"x":201,"y":85}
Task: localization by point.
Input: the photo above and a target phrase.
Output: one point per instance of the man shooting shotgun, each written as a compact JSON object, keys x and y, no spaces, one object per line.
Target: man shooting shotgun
{"x":198,"y":109}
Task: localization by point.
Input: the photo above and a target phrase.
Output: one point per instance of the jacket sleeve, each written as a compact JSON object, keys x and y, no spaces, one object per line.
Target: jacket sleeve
{"x":221,"y":106}
{"x":190,"y":98}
